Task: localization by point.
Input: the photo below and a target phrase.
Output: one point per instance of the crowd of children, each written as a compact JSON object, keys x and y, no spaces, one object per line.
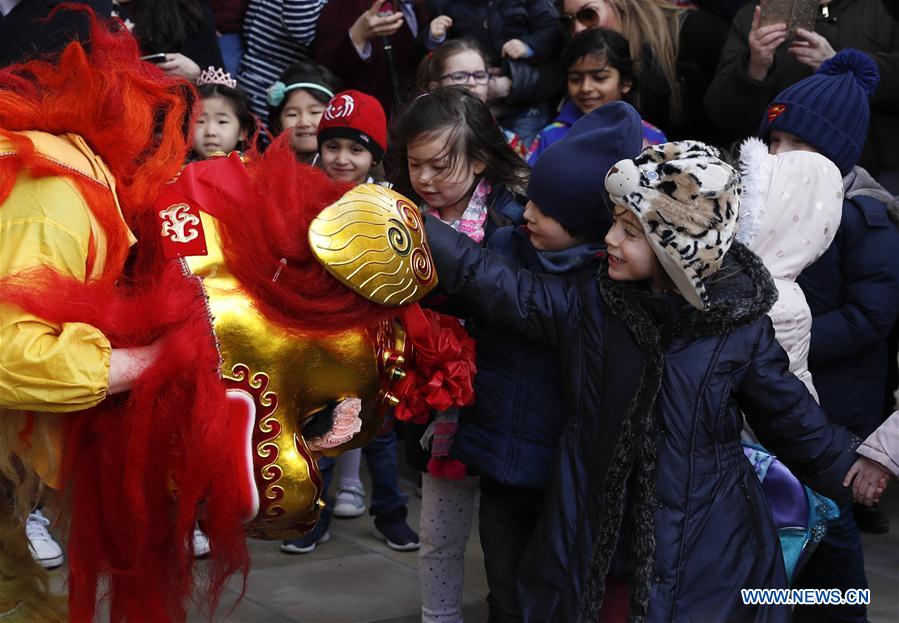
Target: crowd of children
{"x":641,"y":307}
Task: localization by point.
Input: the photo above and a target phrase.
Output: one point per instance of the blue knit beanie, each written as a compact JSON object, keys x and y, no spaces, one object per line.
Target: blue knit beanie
{"x":568,"y":180}
{"x":829,"y":110}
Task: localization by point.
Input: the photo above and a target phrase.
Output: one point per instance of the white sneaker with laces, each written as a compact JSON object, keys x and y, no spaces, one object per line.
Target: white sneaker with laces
{"x":201,"y":544}
{"x":44,"y":549}
{"x":349,"y":502}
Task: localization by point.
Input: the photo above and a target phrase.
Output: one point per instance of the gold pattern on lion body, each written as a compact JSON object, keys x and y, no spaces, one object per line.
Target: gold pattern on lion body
{"x":372,"y":240}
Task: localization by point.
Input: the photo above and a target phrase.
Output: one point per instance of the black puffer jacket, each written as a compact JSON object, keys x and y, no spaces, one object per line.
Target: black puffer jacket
{"x":656,"y":390}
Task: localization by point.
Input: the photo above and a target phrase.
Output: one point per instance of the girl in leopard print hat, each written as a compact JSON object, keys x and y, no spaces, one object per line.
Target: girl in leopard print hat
{"x":654,"y":514}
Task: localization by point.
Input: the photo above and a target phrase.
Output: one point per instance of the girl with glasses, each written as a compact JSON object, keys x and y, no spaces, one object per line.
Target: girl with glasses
{"x":461,"y":62}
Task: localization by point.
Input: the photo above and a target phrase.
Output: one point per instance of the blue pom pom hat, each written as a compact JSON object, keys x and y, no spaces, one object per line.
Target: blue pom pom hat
{"x":829,"y":110}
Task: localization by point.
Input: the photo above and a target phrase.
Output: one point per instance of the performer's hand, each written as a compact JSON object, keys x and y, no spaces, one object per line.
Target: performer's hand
{"x":868,"y":479}
{"x":176,"y":64}
{"x":127,"y":364}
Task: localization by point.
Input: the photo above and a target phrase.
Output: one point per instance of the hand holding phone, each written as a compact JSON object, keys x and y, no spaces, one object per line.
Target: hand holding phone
{"x":378,"y":21}
{"x":154,"y":58}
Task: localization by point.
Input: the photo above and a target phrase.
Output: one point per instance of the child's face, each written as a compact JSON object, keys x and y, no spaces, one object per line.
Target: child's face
{"x":467,"y":62}
{"x":345,"y":160}
{"x":302,"y":112}
{"x":218,"y":128}
{"x":547,"y":234}
{"x":782,"y":142}
{"x":592,"y":83}
{"x":442,"y":184}
{"x":631,"y":257}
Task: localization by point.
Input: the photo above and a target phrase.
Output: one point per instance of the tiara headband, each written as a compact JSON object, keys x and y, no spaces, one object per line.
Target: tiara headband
{"x":216,"y":75}
{"x":278,"y":91}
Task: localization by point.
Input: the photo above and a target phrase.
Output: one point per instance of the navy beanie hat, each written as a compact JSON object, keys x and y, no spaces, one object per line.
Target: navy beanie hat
{"x":568,"y":180}
{"x":829,"y":110}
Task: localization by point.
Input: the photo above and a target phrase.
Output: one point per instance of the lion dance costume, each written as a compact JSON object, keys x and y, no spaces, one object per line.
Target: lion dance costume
{"x":281,"y":306}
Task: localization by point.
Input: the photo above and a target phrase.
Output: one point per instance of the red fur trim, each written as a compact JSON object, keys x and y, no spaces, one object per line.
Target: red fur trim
{"x":124,"y":458}
{"x":128,"y":533}
{"x":129,"y":113}
{"x":265,"y":216}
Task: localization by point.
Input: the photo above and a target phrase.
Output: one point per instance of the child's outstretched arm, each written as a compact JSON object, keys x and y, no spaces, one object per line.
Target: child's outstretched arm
{"x":790,"y":423}
{"x":542,"y":307}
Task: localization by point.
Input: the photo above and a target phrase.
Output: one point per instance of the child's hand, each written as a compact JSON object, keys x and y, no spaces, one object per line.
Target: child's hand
{"x":440,"y":25}
{"x":868,"y":479}
{"x":763,"y":42}
{"x":810,"y":48}
{"x":500,"y":86}
{"x":515,"y":48}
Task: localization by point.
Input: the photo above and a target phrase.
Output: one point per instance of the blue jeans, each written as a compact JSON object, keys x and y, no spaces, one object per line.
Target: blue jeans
{"x":836,"y":563}
{"x":232,"y":48}
{"x":386,"y":497}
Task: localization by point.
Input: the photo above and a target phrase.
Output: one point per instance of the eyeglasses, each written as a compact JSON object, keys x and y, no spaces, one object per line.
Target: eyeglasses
{"x":588,"y":17}
{"x":462,"y":77}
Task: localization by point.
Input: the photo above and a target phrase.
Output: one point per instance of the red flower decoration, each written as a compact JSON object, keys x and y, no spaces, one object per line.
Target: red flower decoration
{"x":442,"y":374}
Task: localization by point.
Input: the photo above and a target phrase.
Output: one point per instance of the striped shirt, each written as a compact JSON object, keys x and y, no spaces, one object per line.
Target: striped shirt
{"x":278,"y":33}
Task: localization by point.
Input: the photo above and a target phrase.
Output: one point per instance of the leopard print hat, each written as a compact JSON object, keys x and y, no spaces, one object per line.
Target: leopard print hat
{"x":688,"y":200}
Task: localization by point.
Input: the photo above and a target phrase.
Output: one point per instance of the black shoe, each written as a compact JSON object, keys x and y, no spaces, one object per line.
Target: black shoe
{"x":870,"y":519}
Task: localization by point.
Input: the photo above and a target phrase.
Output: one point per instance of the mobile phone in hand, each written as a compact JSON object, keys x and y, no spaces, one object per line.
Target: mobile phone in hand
{"x":154,"y":58}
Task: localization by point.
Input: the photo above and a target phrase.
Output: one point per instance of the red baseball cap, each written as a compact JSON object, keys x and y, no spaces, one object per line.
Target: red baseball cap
{"x":357,"y":116}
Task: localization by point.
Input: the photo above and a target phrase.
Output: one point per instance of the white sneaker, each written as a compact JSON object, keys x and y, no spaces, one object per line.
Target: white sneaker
{"x":349,"y":502}
{"x":201,"y":544}
{"x":44,"y":549}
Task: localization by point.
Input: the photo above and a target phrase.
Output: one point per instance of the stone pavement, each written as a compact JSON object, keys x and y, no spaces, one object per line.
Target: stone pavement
{"x":356,"y":578}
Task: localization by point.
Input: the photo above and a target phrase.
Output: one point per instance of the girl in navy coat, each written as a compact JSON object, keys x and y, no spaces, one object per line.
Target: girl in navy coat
{"x":654,"y":510}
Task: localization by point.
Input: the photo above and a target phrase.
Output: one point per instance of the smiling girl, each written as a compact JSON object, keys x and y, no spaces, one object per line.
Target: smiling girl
{"x":297,"y":102}
{"x":599,"y":70}
{"x":225,"y":122}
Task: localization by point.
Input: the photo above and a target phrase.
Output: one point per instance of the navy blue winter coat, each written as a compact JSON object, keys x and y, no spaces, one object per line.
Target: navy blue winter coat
{"x":711,"y":532}
{"x":511,"y":432}
{"x":853,"y":292}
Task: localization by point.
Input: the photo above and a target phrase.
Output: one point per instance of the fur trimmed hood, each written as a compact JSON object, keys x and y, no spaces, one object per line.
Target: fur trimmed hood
{"x":791,"y":207}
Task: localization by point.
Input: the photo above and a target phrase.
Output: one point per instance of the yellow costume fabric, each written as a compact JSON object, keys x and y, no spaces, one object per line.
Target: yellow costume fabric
{"x":45,"y":222}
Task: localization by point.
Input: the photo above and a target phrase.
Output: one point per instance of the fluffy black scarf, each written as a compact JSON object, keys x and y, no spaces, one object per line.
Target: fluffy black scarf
{"x":741,"y":292}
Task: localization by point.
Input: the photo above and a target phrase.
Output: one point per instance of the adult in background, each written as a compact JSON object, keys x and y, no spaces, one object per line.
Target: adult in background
{"x":277,"y":33}
{"x":229,"y":16}
{"x":675,"y":49}
{"x":756,"y":65}
{"x":372,"y":46}
{"x":181,"y":29}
